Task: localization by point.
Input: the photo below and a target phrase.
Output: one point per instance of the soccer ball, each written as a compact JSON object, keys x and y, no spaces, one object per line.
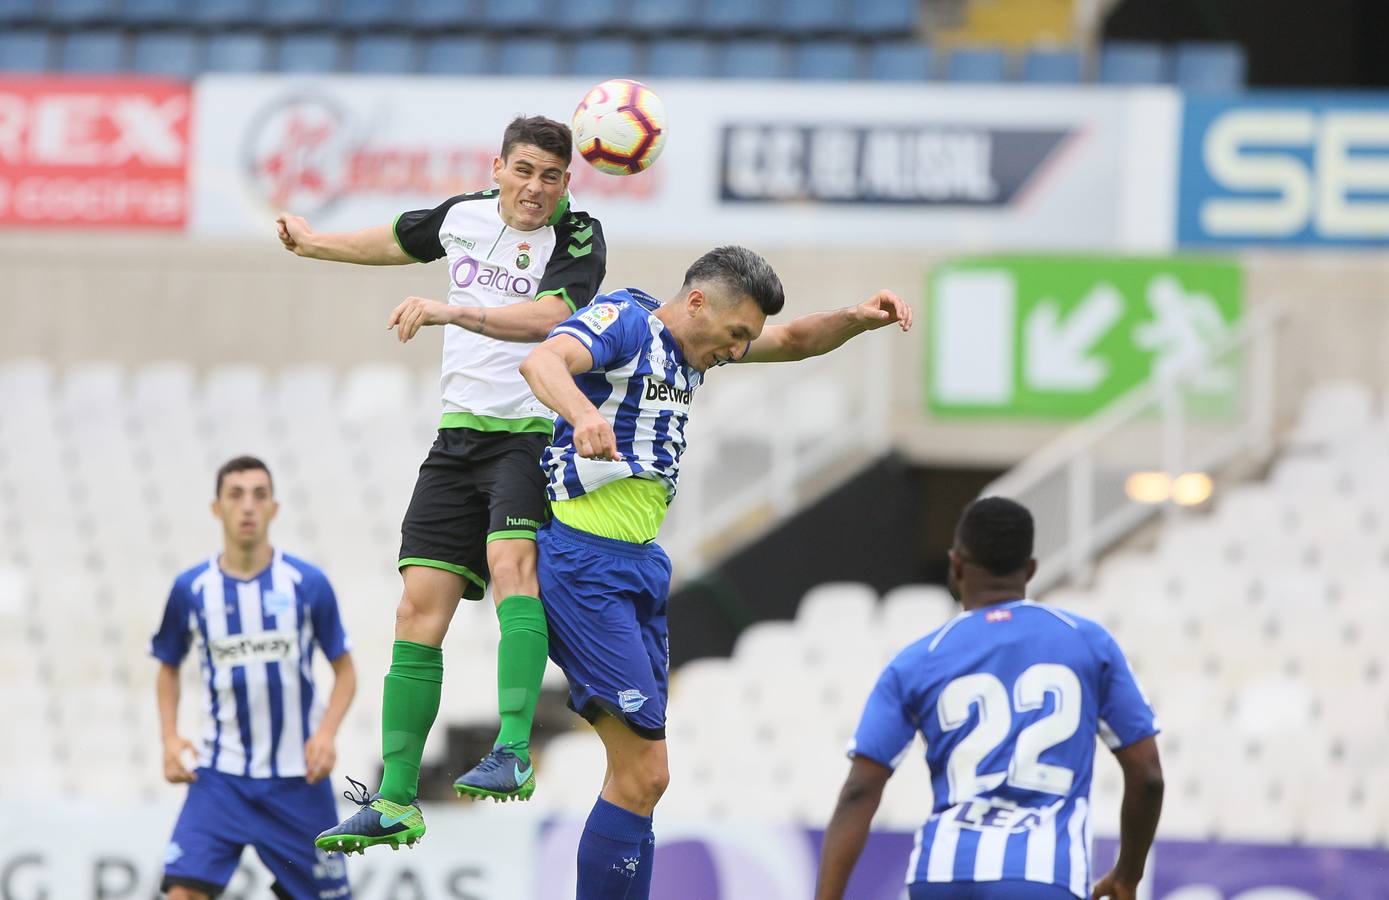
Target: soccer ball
{"x":620,"y":127}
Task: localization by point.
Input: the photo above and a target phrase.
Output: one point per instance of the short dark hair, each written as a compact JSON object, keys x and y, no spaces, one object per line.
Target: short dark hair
{"x":538,"y":131}
{"x":997,"y":534}
{"x":242,"y":464}
{"x":742,"y":272}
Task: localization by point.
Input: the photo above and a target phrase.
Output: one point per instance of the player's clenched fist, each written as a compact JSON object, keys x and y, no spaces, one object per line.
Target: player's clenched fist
{"x":416,"y":312}
{"x":175,"y":772}
{"x":294,"y":233}
{"x":594,"y":438}
{"x":884,"y":308}
{"x":1110,"y":886}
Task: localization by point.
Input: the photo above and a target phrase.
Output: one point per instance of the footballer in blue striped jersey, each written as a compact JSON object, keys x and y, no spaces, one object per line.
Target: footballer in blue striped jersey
{"x":252,"y":616}
{"x":622,"y":376}
{"x":1009,"y":696}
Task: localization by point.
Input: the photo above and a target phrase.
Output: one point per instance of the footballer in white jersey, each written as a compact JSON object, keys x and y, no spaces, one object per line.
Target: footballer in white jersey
{"x":519,"y":261}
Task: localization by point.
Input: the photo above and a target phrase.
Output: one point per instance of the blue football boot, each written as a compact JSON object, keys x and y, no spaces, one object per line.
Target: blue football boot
{"x":502,"y":775}
{"x":379,"y":821}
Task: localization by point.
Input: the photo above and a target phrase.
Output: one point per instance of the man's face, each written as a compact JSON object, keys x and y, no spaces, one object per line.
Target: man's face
{"x":719,"y":331}
{"x":246,"y":506}
{"x":532,"y":181}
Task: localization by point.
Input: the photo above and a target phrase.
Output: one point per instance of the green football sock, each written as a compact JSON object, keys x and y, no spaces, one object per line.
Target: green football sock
{"x":520,"y":667}
{"x":409,"y":703}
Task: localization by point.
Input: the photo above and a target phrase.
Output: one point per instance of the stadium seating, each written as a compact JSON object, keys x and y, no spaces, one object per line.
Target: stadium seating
{"x":25,"y":50}
{"x":681,"y":58}
{"x":1209,"y":67}
{"x":605,"y":57}
{"x":977,"y":64}
{"x":1133,"y":63}
{"x":93,"y":51}
{"x":900,"y":61}
{"x":1257,"y":629}
{"x":388,"y":54}
{"x":1045,"y":66}
{"x":819,"y":60}
{"x":172,"y":53}
{"x":754,"y":58}
{"x":452,"y":55}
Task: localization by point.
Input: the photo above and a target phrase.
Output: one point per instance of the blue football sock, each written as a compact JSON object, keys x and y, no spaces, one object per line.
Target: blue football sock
{"x":610,"y":852}
{"x":641,"y":884}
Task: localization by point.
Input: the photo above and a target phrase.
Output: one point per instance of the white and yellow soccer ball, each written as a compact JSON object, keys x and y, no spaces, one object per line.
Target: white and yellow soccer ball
{"x":620,"y":127}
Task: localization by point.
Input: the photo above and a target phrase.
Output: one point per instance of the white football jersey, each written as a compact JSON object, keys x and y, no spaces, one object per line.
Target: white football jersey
{"x":493,"y":265}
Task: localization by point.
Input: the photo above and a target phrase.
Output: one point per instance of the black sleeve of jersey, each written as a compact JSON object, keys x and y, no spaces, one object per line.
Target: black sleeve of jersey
{"x":417,"y":231}
{"x":579,"y":261}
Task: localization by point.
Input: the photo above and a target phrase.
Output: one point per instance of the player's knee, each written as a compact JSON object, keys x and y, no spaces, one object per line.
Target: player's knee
{"x":650,"y":779}
{"x":513,"y":573}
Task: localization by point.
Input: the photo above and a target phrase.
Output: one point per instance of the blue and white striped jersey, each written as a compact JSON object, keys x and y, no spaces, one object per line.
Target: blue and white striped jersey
{"x":640,"y":383}
{"x":1009,"y":699}
{"x":254,"y":643}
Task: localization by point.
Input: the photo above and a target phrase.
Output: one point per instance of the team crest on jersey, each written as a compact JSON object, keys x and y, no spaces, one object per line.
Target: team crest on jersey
{"x":998,"y":615}
{"x":631,"y":701}
{"x":599,"y":317}
{"x":277,"y":603}
{"x":523,"y":256}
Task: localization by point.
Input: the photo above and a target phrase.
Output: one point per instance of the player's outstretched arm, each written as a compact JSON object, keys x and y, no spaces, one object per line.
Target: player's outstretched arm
{"x":819,"y":333}
{"x":320,"y":750}
{"x":1138,"y":818}
{"x":175,"y":745}
{"x":375,"y":246}
{"x":525,"y":323}
{"x":550,"y":371}
{"x":848,"y":828}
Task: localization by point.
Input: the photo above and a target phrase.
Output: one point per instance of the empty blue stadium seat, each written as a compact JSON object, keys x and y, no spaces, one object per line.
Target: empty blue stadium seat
{"x":840,"y":60}
{"x":1209,"y":67}
{"x":73,"y":12}
{"x":429,"y":13}
{"x":25,"y":50}
{"x":530,"y":56}
{"x":457,"y":55}
{"x":173,"y":53}
{"x":726,"y":16}
{"x":900,"y":61}
{"x":884,"y":17}
{"x":680,"y":58}
{"x":590,"y":15}
{"x":1124,"y":62}
{"x":1051,"y":66}
{"x":231,"y":51}
{"x":508,"y":14}
{"x":13,"y":11}
{"x":92,"y":51}
{"x":812,"y":16}
{"x":155,"y":12}
{"x":662,"y":15}
{"x":225,"y":12}
{"x":977,"y":64}
{"x":754,"y":59}
{"x":604,"y":58}
{"x":386,"y":54}
{"x":365,"y":14}
{"x":297,"y":13}
{"x":319,"y":52}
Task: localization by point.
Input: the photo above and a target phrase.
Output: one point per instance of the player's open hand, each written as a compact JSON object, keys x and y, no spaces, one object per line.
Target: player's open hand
{"x":294,"y":232}
{"x":416,"y":312}
{"x":320,"y":755}
{"x":1113,"y":887}
{"x":594,"y":438}
{"x":884,"y":308}
{"x":175,"y":771}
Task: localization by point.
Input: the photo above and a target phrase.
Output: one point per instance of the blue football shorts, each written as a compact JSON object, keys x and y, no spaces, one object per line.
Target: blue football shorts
{"x":280,"y":817}
{"x":605,"y":602}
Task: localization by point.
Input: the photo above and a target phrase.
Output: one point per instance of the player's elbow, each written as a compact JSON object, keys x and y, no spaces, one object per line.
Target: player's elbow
{"x":531,"y":364}
{"x":857,"y":792}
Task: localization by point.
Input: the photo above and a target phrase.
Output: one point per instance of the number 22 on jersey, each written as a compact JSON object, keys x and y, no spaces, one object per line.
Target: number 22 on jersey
{"x":996,"y":709}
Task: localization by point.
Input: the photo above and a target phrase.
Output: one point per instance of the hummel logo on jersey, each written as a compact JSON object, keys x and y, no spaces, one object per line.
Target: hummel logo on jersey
{"x":666,"y":393}
{"x":241,"y":650}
